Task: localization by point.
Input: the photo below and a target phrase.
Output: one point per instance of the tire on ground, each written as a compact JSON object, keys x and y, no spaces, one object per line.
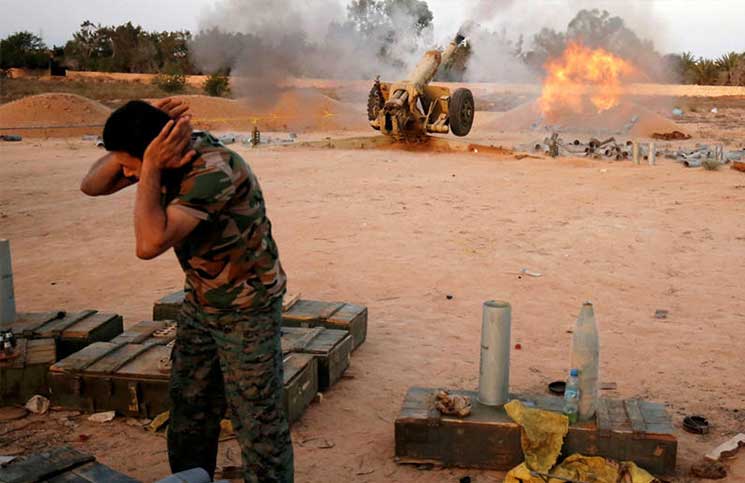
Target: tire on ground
{"x":462,"y":110}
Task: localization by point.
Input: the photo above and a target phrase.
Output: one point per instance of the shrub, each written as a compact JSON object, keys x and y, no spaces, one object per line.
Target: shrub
{"x":217,"y":85}
{"x":170,"y":82}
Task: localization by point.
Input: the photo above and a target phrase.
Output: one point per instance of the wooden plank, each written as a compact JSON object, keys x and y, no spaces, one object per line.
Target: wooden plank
{"x":164,"y":330}
{"x":289,"y":301}
{"x":55,"y":327}
{"x":298,"y":340}
{"x":40,"y":466}
{"x":87,"y":326}
{"x":331,"y":309}
{"x":41,"y":351}
{"x":603,"y":416}
{"x":635,"y":416}
{"x":28,"y":324}
{"x":115,"y":360}
{"x":304,"y":312}
{"x":85,"y":358}
{"x":147,"y":364}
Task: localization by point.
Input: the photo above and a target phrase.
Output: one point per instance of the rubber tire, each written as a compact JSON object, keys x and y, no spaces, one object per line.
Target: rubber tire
{"x":462,"y":108}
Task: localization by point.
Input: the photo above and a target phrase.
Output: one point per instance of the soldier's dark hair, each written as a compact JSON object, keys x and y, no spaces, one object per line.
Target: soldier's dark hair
{"x":132,"y":128}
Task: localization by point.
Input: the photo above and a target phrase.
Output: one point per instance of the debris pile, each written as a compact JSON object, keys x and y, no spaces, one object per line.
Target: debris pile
{"x":594,"y":148}
{"x":700,"y":154}
{"x":453,"y":405}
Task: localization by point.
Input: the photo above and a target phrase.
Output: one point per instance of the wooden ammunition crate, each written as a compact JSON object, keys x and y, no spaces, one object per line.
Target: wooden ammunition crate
{"x":169,"y":307}
{"x":331,"y":348}
{"x":26,"y":375}
{"x":331,"y":315}
{"x":43,"y":339}
{"x":60,"y":465}
{"x":303,"y":313}
{"x":129,"y":378}
{"x":72,"y":331}
{"x":488,"y":438}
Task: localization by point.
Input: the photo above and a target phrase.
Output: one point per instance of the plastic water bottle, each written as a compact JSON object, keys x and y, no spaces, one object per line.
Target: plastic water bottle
{"x":571,"y":397}
{"x":586,"y":359}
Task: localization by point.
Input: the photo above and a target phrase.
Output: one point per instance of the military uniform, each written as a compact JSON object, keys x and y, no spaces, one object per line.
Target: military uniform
{"x":227,"y":352}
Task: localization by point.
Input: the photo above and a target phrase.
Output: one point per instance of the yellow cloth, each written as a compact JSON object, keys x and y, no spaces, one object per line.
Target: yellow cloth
{"x":590,"y":469}
{"x":541,"y":434}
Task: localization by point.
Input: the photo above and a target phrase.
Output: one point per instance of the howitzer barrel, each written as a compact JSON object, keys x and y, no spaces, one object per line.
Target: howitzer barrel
{"x":425,"y":70}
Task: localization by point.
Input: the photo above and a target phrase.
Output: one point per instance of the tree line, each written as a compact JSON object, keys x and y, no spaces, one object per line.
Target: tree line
{"x":130,"y":48}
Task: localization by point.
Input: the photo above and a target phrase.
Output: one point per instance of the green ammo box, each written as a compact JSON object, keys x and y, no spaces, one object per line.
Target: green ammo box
{"x":130,"y":378}
{"x":43,"y":339}
{"x":60,"y":465}
{"x":303,"y":313}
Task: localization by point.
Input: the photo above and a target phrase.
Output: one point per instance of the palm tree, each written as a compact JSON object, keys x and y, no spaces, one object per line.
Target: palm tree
{"x":707,"y":72}
{"x":726,"y":65}
{"x":688,"y":68}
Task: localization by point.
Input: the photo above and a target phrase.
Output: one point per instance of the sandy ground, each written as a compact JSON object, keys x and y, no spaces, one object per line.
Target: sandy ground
{"x":398,"y":232}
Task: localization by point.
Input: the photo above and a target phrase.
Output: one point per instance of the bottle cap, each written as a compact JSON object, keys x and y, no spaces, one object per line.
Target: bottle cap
{"x":574,"y":372}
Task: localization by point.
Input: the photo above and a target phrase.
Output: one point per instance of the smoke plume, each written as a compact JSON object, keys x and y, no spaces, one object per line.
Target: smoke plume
{"x":264,"y":42}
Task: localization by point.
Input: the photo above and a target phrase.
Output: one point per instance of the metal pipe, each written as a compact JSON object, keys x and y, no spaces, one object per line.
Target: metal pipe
{"x":652,"y":154}
{"x":494,"y":370}
{"x":7,"y":298}
{"x":425,"y":70}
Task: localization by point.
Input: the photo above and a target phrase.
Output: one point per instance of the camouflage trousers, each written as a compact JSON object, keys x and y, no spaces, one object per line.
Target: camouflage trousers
{"x":230,"y":361}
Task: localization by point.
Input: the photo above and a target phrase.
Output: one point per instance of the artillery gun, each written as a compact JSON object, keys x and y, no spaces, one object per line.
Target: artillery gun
{"x":410,"y":109}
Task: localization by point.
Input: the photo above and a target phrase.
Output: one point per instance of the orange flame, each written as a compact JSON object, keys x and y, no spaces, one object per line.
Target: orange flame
{"x":583,"y":74}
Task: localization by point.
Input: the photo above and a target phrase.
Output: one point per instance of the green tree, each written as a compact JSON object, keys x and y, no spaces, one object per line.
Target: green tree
{"x":727,"y":65}
{"x":706,"y":72}
{"x":89,"y":48}
{"x":217,"y":85}
{"x":23,"y":49}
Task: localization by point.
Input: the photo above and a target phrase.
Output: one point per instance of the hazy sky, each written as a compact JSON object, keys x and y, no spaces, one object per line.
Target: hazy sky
{"x":707,"y":28}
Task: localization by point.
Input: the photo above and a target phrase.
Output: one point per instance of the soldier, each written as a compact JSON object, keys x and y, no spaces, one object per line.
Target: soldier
{"x":203,"y":200}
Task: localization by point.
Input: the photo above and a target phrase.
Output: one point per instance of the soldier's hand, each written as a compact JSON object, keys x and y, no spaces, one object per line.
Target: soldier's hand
{"x":170,"y":149}
{"x":173,"y":107}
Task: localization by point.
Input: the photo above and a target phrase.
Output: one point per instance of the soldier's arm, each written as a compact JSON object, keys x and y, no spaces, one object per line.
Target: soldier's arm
{"x":157,"y":228}
{"x":106,"y":176}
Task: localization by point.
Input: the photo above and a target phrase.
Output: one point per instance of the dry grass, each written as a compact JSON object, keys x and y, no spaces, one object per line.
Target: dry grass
{"x":111,"y":93}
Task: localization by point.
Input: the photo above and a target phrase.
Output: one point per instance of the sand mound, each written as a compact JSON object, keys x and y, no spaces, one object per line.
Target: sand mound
{"x":626,"y":118}
{"x":53,"y":115}
{"x":293,"y":110}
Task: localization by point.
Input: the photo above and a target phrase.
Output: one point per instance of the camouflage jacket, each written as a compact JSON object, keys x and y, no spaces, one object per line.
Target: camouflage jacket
{"x":230,"y":260}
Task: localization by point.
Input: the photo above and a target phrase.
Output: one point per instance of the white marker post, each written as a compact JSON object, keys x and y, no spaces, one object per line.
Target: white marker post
{"x":652,"y":154}
{"x":7,"y":299}
{"x":635,"y":152}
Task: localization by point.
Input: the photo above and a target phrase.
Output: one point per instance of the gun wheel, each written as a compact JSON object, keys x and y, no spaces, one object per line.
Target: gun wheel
{"x":462,"y":109}
{"x":375,"y":101}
